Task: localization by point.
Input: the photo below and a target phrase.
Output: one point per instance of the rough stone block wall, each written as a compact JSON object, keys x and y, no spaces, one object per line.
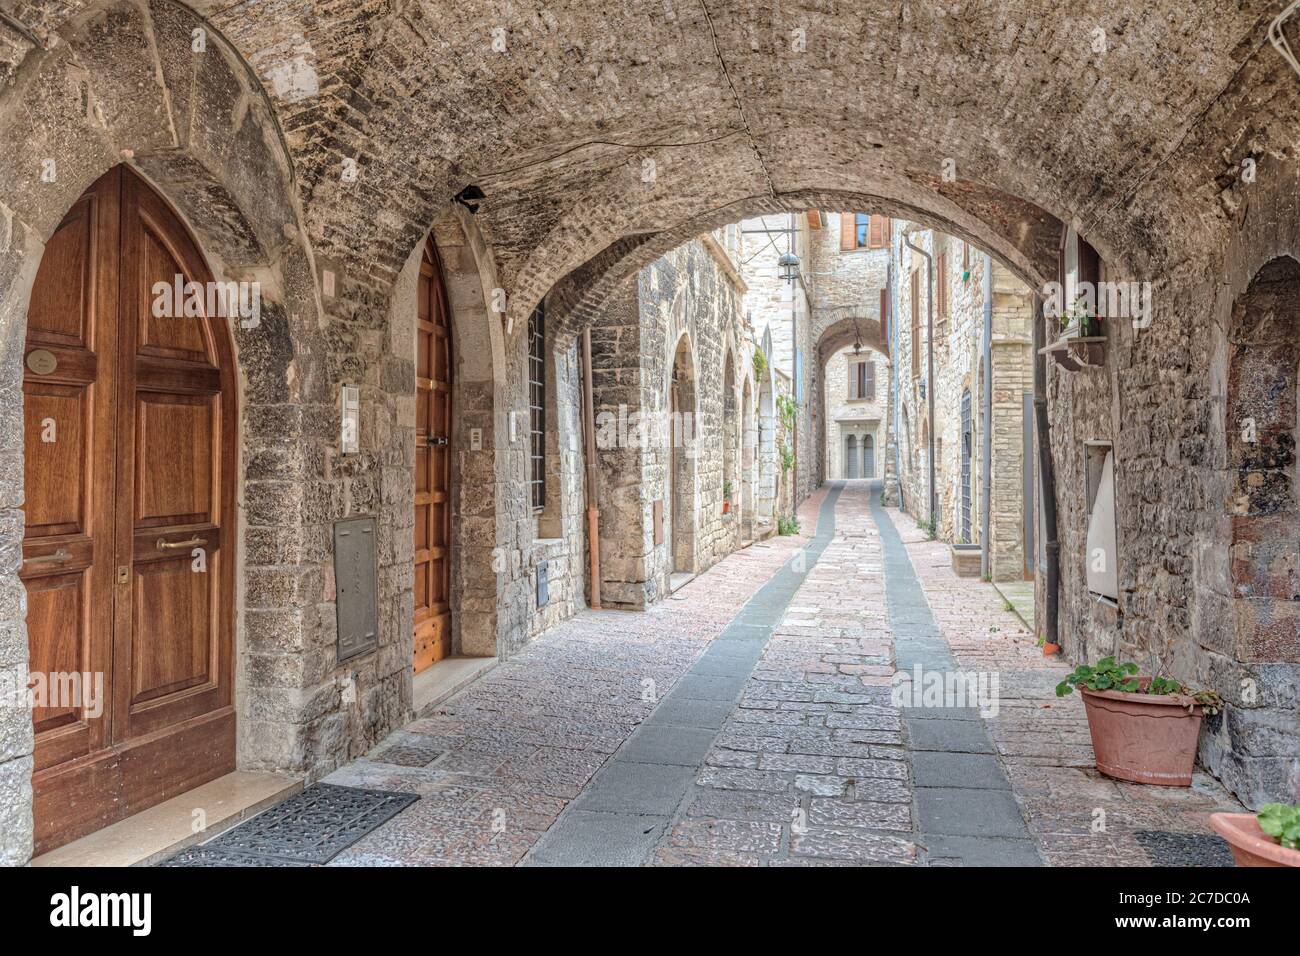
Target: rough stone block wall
{"x":772,"y":305}
{"x":1013,"y":379}
{"x":682,"y":293}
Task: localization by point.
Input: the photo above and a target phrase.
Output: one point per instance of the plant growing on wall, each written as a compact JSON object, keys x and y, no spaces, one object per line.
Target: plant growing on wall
{"x":786,"y":408}
{"x":760,"y":364}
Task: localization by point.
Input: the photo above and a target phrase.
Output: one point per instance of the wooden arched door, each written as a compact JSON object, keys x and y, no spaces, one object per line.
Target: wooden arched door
{"x":433,"y":457}
{"x":128,"y":550}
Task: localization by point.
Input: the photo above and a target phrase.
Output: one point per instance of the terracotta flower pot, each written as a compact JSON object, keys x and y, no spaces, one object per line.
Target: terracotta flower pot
{"x":1250,"y":845}
{"x":726,"y":506}
{"x":1146,"y":738}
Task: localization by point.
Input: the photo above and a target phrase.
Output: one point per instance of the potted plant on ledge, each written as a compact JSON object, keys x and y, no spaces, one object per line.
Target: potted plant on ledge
{"x":1144,"y":729}
{"x":726,"y":497}
{"x":1268,"y":838}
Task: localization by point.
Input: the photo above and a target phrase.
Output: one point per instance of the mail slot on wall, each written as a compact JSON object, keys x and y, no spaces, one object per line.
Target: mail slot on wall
{"x":356,"y":576}
{"x":543,"y":586}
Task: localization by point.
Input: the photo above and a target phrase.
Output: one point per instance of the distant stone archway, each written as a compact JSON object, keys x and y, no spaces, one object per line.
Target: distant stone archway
{"x":683,"y":433}
{"x":748,"y":460}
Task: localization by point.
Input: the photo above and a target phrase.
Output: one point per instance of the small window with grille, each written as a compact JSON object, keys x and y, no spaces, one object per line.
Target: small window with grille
{"x":537,"y":406}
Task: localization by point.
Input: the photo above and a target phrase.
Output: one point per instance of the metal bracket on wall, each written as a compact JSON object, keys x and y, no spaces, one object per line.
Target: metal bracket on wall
{"x":1277,"y":37}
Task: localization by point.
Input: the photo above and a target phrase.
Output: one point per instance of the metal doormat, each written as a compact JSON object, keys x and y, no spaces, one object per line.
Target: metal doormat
{"x":310,"y":828}
{"x":206,"y":856}
{"x":1168,"y":848}
{"x":411,"y":753}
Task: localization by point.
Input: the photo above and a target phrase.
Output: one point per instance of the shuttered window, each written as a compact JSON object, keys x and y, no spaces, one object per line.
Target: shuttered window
{"x":862,"y":380}
{"x":884,"y":316}
{"x":879,"y":234}
{"x":863,"y":231}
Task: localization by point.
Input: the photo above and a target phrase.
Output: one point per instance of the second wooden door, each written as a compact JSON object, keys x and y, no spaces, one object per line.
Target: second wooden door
{"x":433,"y":457}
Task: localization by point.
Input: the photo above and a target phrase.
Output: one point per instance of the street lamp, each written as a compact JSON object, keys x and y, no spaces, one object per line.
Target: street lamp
{"x":789,"y":265}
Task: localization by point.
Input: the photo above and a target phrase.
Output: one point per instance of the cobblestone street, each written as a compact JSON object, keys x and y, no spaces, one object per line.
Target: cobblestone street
{"x":748,"y":721}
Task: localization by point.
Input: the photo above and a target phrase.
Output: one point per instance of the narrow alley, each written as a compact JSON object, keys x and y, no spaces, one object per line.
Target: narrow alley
{"x":756,"y":719}
{"x":649,"y":437}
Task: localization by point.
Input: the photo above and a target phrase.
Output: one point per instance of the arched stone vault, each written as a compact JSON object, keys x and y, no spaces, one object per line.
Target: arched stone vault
{"x":556,"y":124}
{"x":1028,"y":248}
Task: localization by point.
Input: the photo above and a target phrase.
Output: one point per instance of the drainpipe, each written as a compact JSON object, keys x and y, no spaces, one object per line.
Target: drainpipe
{"x":986,"y":439}
{"x":1051,"y":546}
{"x":794,"y":377}
{"x":929,"y":370}
{"x":589,"y":447}
{"x":891,"y":291}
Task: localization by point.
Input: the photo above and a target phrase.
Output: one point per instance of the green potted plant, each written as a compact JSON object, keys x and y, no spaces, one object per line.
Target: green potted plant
{"x":1268,"y":838}
{"x":726,"y":496}
{"x":1143,"y":729}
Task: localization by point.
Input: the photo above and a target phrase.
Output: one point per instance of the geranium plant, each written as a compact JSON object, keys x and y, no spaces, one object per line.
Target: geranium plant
{"x":1106,"y":674}
{"x":1282,"y":822}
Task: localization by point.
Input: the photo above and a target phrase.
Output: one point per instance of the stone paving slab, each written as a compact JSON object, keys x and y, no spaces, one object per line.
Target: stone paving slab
{"x":978,"y":771}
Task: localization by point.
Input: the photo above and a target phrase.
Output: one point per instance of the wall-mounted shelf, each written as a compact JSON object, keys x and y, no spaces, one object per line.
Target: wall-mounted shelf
{"x":1074,"y":352}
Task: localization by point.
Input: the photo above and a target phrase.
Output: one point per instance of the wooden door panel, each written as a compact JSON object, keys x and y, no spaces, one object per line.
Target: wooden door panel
{"x":175,"y":448}
{"x":170,"y":599}
{"x":68,"y":483}
{"x":56,"y":423}
{"x":433,"y":454}
{"x":55,"y":618}
{"x":182,"y":335}
{"x":61,"y":310}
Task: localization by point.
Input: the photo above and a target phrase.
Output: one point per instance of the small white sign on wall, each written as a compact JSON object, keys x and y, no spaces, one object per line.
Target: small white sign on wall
{"x":514,"y":429}
{"x":350,"y":429}
{"x":476,"y":439}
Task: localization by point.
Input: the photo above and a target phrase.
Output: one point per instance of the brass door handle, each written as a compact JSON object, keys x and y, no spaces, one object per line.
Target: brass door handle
{"x":164,"y":545}
{"x":58,"y":557}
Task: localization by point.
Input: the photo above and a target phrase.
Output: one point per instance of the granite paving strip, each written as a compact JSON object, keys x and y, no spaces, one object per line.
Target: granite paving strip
{"x":965,"y":811}
{"x":1076,"y":816}
{"x":512,"y":750}
{"x":624,"y":812}
{"x":810,"y":768}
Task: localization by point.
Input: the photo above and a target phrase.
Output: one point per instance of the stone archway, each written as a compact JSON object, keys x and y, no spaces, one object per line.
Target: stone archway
{"x":682,"y":433}
{"x":478,"y":423}
{"x":748,"y":460}
{"x":731,"y":438}
{"x":765,"y":503}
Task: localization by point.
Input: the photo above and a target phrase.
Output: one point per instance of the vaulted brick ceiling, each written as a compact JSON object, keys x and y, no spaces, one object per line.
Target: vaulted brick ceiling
{"x":1130,"y":144}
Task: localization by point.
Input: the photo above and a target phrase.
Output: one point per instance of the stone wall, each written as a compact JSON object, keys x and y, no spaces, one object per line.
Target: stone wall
{"x":1200,"y":600}
{"x":683,"y":301}
{"x":958,"y":372}
{"x":772,"y":305}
